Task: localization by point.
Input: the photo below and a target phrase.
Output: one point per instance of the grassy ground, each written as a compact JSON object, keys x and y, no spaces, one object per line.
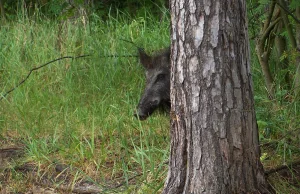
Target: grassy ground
{"x":79,"y":113}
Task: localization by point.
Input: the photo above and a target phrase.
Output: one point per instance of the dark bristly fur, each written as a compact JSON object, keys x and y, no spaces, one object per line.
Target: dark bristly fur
{"x":157,"y":90}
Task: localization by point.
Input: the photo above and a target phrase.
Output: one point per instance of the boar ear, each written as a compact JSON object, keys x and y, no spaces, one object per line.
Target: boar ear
{"x":145,"y":59}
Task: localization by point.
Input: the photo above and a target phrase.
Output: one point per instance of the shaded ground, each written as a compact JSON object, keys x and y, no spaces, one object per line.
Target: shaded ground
{"x":59,"y":177}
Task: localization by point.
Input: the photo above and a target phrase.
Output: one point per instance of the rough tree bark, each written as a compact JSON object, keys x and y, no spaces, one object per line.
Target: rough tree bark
{"x":214,"y":136}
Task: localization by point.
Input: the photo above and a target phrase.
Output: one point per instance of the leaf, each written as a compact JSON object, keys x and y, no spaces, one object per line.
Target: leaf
{"x":262,"y":124}
{"x":284,"y":56}
{"x":263,"y":156}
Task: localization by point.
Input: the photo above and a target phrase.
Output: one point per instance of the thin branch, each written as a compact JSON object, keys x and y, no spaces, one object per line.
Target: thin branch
{"x":124,"y":182}
{"x":269,"y":29}
{"x":37,"y":68}
{"x":269,"y":18}
{"x":115,"y":56}
{"x":270,"y":42}
{"x":131,"y":43}
{"x":288,"y":12}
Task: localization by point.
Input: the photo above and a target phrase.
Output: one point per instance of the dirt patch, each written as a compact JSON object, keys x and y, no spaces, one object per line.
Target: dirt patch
{"x":289,"y":173}
{"x":58,"y":178}
{"x":8,"y":155}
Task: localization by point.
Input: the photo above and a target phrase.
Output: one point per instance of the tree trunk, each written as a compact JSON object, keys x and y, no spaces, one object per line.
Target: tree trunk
{"x":214,"y":135}
{"x":263,"y":48}
{"x":287,"y":24}
{"x":281,"y":48}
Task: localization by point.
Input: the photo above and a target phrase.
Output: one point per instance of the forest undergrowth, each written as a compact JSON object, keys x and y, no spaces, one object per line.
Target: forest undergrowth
{"x":70,"y":125}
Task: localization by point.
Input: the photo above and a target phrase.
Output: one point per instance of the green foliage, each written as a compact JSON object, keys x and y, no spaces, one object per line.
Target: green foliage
{"x":80,"y":112}
{"x":55,"y":7}
{"x":63,"y":9}
{"x":264,"y":2}
{"x":277,"y":119}
{"x":294,"y":4}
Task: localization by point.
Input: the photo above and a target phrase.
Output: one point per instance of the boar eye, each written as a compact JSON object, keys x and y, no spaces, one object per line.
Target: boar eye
{"x":160,"y":77}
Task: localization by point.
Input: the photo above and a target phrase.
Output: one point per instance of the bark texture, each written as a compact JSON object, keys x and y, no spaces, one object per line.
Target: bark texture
{"x":214,"y":136}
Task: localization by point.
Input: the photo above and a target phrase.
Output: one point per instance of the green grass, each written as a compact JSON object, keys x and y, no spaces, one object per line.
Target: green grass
{"x":80,"y":112}
{"x":278,"y":119}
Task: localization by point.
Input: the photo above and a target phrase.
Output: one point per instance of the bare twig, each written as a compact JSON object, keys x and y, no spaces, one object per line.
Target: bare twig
{"x":124,"y":182}
{"x":131,"y":43}
{"x":115,"y":56}
{"x":36,"y":68}
{"x":66,"y":57}
{"x":269,"y":18}
{"x":288,"y":12}
{"x":268,"y":30}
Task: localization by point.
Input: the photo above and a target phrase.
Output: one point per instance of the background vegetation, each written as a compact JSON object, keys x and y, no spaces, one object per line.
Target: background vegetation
{"x":78,"y":113}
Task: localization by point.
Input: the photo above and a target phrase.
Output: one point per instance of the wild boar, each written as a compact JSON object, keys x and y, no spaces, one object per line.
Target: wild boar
{"x":157,"y":90}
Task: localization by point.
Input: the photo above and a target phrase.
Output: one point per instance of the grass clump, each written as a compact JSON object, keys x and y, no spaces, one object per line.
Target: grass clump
{"x":80,"y":112}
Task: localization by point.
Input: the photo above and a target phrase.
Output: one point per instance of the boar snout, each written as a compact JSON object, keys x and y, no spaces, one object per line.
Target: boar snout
{"x":145,"y":110}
